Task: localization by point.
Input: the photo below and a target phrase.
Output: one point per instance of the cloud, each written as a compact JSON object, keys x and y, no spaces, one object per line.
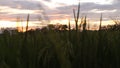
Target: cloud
{"x":10,"y":9}
{"x":92,"y":10}
{"x":116,"y":1}
{"x":22,"y":4}
{"x":104,"y":11}
{"x":48,"y":0}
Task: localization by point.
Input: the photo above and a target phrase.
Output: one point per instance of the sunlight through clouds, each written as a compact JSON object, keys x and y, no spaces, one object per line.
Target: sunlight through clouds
{"x":55,"y":10}
{"x":99,"y":1}
{"x":83,"y":1}
{"x":102,"y":11}
{"x":15,"y":11}
{"x":14,"y":24}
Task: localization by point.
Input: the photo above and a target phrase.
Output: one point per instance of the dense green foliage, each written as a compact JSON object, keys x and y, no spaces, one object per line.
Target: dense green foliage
{"x":60,"y":49}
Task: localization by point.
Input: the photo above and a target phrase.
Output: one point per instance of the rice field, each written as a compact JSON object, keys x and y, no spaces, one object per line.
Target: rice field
{"x":60,"y":49}
{"x":66,"y":48}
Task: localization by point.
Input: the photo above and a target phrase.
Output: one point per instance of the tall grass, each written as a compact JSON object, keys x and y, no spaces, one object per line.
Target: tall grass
{"x":76,"y":16}
{"x":51,"y":48}
{"x":100,"y":22}
{"x":27,"y":22}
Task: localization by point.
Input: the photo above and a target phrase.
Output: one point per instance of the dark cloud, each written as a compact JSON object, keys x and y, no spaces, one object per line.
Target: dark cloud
{"x":85,"y":10}
{"x":90,"y":6}
{"x":23,"y":4}
{"x":58,"y":12}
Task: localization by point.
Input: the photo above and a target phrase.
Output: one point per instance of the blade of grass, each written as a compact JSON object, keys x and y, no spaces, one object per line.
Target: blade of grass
{"x":27,"y":22}
{"x":100,"y":22}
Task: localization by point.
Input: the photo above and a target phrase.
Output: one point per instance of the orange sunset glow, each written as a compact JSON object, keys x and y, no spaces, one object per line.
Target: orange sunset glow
{"x":54,"y":11}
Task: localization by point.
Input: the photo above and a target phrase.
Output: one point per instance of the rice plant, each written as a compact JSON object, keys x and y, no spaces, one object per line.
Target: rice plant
{"x":54,"y":48}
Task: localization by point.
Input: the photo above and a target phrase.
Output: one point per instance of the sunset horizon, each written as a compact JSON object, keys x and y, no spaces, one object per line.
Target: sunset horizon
{"x":46,"y":12}
{"x":59,"y":34}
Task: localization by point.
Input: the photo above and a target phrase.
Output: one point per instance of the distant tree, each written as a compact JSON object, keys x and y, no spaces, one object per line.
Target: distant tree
{"x":51,"y":27}
{"x":57,"y":27}
{"x":63,"y":27}
{"x":115,"y":27}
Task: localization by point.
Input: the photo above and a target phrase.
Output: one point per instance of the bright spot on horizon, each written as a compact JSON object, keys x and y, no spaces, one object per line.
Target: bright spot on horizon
{"x":7,"y":24}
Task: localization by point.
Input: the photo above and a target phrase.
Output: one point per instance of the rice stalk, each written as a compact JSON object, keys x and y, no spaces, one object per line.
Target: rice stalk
{"x":17,"y":26}
{"x":84,"y":24}
{"x":76,"y":18}
{"x":100,"y":22}
{"x":69,"y":27}
{"x":27,"y":22}
{"x":88,"y":28}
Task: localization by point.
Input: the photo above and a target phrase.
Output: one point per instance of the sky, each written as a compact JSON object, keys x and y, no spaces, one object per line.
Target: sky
{"x":43,"y":12}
